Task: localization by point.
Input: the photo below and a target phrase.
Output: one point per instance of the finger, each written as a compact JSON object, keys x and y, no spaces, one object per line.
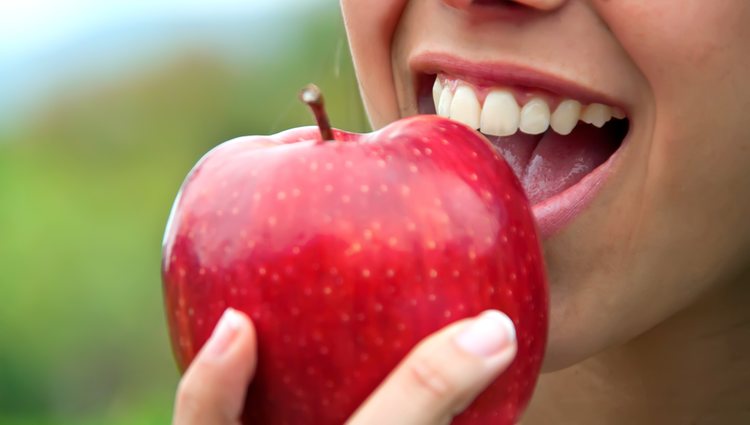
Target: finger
{"x":212,"y":391}
{"x":443,"y":374}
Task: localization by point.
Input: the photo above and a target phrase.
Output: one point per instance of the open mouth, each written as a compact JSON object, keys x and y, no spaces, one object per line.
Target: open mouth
{"x":559,"y":139}
{"x":551,"y":142}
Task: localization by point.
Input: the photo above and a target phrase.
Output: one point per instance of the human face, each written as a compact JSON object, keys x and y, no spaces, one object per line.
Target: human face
{"x":661,"y":216}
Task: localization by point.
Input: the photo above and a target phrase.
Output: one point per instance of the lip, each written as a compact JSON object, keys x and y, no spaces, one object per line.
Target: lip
{"x":554,"y":213}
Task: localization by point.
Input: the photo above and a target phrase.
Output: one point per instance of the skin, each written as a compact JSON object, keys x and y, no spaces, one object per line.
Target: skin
{"x":649,"y":285}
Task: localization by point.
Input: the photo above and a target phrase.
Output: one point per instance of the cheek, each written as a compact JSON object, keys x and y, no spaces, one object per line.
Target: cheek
{"x":370,"y":26}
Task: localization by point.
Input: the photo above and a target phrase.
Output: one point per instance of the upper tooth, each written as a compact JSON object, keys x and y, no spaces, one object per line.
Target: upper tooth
{"x":565,"y":117}
{"x":596,"y":114}
{"x":618,"y":113}
{"x":465,"y":107}
{"x":500,"y":114}
{"x":534,"y":117}
{"x":444,"y":104}
{"x":437,"y":91}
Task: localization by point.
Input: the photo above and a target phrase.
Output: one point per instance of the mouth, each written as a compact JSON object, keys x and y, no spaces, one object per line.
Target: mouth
{"x":561,"y":140}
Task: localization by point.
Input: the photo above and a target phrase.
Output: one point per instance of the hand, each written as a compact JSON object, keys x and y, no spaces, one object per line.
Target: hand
{"x":439,"y":378}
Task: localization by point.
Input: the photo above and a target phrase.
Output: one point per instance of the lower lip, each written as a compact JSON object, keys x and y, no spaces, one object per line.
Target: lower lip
{"x":556,"y":212}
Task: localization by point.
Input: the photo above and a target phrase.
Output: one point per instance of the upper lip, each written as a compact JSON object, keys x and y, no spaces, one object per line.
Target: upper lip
{"x":491,"y":73}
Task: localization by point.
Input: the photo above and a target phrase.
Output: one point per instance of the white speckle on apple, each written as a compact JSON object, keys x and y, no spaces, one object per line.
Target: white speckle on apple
{"x":307,"y":291}
{"x":348,"y":164}
{"x":445,"y":141}
{"x":275,"y":277}
{"x":324,"y":350}
{"x":472,"y":254}
{"x":433,"y":273}
{"x":296,"y":192}
{"x":345,"y":199}
{"x":416,"y":152}
{"x":233,"y":290}
{"x":390,"y":272}
{"x":378,"y":307}
{"x":384,"y":188}
{"x":504,"y":238}
{"x":513,"y":276}
{"x":364,"y":357}
{"x":381,"y":163}
{"x":345,"y":318}
{"x":392,"y":241}
{"x":401,"y":326}
{"x":365,"y":272}
{"x":413,"y":168}
{"x":219,"y":213}
{"x":379,"y":341}
{"x":191,"y":311}
{"x":473,"y":176}
{"x":447,"y":314}
{"x":364,"y":188}
{"x":235,"y":211}
{"x":438,"y":202}
{"x":251,"y":243}
{"x":262,"y":271}
{"x":432,"y":297}
{"x":427,"y":151}
{"x":375,"y":225}
{"x":327,"y":290}
{"x":295,"y":250}
{"x":413,"y":301}
{"x":474,"y":154}
{"x":329,"y":166}
{"x":405,"y":190}
{"x":328,"y":188}
{"x":202,"y":271}
{"x":272,"y":221}
{"x":281,"y":196}
{"x":411,"y":226}
{"x":182,"y":272}
{"x":314,"y":166}
{"x":256,"y":196}
{"x":235,"y":194}
{"x":367,"y":234}
{"x":456,"y":273}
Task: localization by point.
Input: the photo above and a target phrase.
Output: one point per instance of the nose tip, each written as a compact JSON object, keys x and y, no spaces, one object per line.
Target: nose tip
{"x":543,"y":5}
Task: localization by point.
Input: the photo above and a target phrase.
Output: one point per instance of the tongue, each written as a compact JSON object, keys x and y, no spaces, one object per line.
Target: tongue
{"x":550,"y":163}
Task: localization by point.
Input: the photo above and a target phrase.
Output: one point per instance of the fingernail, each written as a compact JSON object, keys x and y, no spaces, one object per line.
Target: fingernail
{"x":224,"y":333}
{"x":487,"y":335}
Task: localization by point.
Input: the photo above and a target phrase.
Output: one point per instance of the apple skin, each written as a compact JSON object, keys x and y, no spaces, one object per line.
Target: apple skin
{"x":346,"y":254}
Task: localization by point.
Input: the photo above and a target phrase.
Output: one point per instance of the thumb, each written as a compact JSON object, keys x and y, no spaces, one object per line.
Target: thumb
{"x":212,"y":390}
{"x":443,"y":374}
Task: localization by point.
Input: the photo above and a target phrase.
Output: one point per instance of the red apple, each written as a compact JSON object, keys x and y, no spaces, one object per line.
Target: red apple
{"x":346,"y":250}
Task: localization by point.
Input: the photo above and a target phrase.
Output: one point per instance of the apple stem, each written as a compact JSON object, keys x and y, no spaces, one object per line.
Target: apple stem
{"x":312,"y":96}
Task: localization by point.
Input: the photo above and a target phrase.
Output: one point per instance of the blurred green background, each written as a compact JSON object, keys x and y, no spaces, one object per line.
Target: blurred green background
{"x":104,"y":108}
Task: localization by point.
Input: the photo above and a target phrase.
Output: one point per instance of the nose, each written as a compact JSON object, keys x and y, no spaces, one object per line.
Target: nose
{"x":543,"y":5}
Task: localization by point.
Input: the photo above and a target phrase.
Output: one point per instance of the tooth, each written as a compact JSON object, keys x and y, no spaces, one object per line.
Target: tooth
{"x":617,"y":113}
{"x":534,"y":117}
{"x":565,"y":117}
{"x":500,"y":114}
{"x":596,"y":114}
{"x":444,"y":104}
{"x":465,"y":107}
{"x":437,"y":90}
